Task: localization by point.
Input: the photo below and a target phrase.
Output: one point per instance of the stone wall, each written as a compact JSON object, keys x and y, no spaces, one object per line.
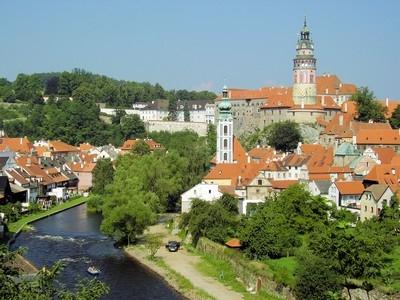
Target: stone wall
{"x":173,"y":126}
{"x":245,"y":271}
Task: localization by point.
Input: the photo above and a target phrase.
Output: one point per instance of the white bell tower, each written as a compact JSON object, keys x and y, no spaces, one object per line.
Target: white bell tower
{"x":225,"y":130}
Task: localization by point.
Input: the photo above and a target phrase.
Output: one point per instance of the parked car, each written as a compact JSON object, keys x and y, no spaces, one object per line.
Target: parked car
{"x":172,"y":246}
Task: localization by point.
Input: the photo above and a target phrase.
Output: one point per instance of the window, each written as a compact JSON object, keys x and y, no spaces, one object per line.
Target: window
{"x":225,"y":156}
{"x":225,"y":143}
{"x":209,"y":191}
{"x":372,"y":209}
{"x":226,"y":129}
{"x":257,"y":191}
{"x":259,"y":182}
{"x":365,"y":208}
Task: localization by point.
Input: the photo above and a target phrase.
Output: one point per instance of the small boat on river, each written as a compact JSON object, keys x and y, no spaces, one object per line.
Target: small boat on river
{"x":92,"y":270}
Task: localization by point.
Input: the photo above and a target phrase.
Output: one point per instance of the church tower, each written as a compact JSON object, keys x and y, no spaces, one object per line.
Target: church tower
{"x":304,"y":69}
{"x":225,"y":130}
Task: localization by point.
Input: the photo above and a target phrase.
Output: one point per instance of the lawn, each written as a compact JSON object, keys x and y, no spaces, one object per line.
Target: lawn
{"x":283,"y":269}
{"x":224,"y":273}
{"x":18,"y":225}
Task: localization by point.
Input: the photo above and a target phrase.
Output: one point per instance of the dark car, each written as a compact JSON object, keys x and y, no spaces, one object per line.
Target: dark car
{"x":172,"y":246}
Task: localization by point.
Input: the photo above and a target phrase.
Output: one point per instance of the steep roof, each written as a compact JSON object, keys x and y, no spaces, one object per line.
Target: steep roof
{"x":350,"y":187}
{"x":385,"y":174}
{"x":377,"y":190}
{"x":20,"y":145}
{"x":263,"y":153}
{"x":129,"y":144}
{"x":59,"y":146}
{"x":384,"y":154}
{"x":332,"y":85}
{"x":283,"y":184}
{"x":323,"y":185}
{"x":378,"y":137}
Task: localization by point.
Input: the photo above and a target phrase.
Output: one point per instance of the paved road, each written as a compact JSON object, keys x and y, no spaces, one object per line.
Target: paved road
{"x":185,"y":264}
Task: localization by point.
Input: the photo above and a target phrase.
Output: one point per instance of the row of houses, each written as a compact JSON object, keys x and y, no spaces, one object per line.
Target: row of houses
{"x":42,"y":169}
{"x":361,"y":182}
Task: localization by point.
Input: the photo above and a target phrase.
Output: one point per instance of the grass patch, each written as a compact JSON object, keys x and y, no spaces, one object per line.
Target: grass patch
{"x":224,"y":273}
{"x":18,"y":225}
{"x":184,"y":284}
{"x":283,"y":269}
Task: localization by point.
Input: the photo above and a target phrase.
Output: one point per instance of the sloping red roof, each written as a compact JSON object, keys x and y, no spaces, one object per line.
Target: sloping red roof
{"x":385,"y":174}
{"x":263,"y":153}
{"x":350,"y":187}
{"x":385,"y":154}
{"x":85,"y":147}
{"x":283,"y":184}
{"x":20,"y":145}
{"x":129,"y":144}
{"x":82,"y":167}
{"x":233,"y":243}
{"x":59,"y":146}
{"x":332,"y":85}
{"x":378,"y":137}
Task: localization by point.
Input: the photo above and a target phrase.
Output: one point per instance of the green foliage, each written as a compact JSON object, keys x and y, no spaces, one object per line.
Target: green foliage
{"x":367,"y":106}
{"x":172,"y":109}
{"x":44,"y":284}
{"x":103,"y":175}
{"x":186,"y":112}
{"x":274,"y":228}
{"x":395,"y":118}
{"x":95,"y":202}
{"x":132,"y":127}
{"x":141,"y":148}
{"x":153,"y":242}
{"x":284,"y":136}
{"x":217,"y":221}
{"x":211,"y":139}
{"x":316,"y":279}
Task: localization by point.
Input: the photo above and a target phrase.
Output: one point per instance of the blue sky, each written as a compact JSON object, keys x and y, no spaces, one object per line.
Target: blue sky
{"x":202,"y":44}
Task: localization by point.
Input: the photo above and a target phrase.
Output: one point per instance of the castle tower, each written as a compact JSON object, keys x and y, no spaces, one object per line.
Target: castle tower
{"x":304,"y":69}
{"x":225,"y":130}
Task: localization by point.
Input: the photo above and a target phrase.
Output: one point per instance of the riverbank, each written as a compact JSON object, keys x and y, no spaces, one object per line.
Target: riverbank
{"x":16,"y":227}
{"x":180,"y":270}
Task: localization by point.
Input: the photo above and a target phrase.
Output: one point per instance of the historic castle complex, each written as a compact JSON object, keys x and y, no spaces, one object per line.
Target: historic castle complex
{"x":309,"y":98}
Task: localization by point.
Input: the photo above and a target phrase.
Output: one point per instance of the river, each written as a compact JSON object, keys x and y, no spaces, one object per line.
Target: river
{"x":73,"y":236}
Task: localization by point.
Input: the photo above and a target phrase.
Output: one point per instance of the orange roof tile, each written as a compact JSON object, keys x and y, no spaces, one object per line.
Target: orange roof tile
{"x":390,"y":105}
{"x":350,"y":187}
{"x":385,"y":154}
{"x":262,"y":153}
{"x":82,"y":167}
{"x":85,"y":147}
{"x":283,"y":184}
{"x":331,"y":85}
{"x":129,"y":144}
{"x":233,"y":243}
{"x":19,"y":145}
{"x":59,"y":146}
{"x":378,"y":137}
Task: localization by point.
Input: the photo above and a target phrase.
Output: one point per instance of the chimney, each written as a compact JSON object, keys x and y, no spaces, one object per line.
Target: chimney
{"x":248,"y":159}
{"x":20,"y":141}
{"x":323,"y":100}
{"x":341,"y":120}
{"x":345,"y":107}
{"x":387,"y":102}
{"x":239,"y":180}
{"x":393,"y":171}
{"x":302,"y":103}
{"x":326,"y":91}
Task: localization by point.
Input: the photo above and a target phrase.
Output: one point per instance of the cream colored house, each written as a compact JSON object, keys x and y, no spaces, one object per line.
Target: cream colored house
{"x":374,"y":198}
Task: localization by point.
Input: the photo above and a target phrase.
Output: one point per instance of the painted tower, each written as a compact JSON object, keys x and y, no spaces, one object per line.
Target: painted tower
{"x":225,"y":130}
{"x":304,"y":69}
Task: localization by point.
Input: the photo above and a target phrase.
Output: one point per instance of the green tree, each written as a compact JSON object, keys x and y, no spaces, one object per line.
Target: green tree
{"x":28,"y":87}
{"x":211,"y":140}
{"x":395,"y":118}
{"x":186,"y":112}
{"x":315,"y":278}
{"x":153,"y":242}
{"x":52,"y":85}
{"x":367,"y":106}
{"x":119,"y":114}
{"x":141,"y":148}
{"x":284,"y":136}
{"x":172,"y":109}
{"x":103,"y":175}
{"x":132,"y":127}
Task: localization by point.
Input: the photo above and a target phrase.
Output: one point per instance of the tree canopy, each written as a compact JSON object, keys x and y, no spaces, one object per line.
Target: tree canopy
{"x":284,"y":136}
{"x":367,"y":106}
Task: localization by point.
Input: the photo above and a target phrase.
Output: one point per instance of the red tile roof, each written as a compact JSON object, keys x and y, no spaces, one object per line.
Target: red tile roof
{"x":20,"y":145}
{"x":385,"y":154}
{"x":59,"y":146}
{"x":233,"y":243}
{"x":350,"y":187}
{"x":331,"y":85}
{"x":283,"y":184}
{"x":129,"y":144}
{"x":378,"y":137}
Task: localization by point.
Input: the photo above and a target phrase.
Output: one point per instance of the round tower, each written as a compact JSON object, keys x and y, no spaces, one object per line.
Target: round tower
{"x":304,"y":69}
{"x":225,"y":130}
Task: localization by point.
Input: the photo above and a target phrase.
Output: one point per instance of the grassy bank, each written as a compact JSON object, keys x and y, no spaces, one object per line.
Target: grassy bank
{"x":224,"y":273}
{"x":17,"y":226}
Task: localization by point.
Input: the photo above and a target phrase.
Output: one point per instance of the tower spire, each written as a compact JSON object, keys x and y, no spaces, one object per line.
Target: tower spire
{"x":305,"y":21}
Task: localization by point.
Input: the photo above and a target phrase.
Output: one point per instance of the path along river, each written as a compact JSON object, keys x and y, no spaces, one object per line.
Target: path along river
{"x":73,"y":236}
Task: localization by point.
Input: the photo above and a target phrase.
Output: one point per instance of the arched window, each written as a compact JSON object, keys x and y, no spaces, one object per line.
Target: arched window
{"x":226,"y":129}
{"x":225,"y":156}
{"x":225,"y":143}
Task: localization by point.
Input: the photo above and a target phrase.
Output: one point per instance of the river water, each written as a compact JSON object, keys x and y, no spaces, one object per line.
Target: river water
{"x":74,"y":237}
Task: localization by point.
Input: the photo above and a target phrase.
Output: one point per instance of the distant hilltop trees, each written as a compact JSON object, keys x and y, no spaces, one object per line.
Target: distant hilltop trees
{"x":115,"y":93}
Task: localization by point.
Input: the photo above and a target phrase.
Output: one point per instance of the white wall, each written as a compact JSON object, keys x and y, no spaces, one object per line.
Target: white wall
{"x":203,"y":191}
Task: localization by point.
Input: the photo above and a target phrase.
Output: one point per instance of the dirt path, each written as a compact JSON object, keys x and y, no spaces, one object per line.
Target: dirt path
{"x":185,"y":264}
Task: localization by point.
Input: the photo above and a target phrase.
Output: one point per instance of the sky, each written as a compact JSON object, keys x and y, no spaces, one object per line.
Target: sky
{"x":205,"y":44}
